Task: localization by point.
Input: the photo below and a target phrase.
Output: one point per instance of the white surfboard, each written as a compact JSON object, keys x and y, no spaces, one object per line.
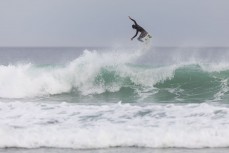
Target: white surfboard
{"x":147,"y":39}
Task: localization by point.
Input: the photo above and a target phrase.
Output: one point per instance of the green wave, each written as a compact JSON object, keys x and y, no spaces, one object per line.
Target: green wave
{"x":188,"y":83}
{"x":192,"y":84}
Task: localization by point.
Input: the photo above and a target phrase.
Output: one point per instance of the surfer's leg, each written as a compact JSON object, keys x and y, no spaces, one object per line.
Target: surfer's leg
{"x":142,"y":35}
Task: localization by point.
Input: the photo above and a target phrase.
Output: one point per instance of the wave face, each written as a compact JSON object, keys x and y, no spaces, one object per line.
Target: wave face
{"x":117,"y":76}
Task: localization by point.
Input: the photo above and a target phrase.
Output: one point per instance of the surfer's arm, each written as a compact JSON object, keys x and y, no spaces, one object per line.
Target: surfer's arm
{"x":133,"y":20}
{"x":135,"y":35}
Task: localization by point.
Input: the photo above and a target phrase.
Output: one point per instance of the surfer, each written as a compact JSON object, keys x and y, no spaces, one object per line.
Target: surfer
{"x":139,"y":29}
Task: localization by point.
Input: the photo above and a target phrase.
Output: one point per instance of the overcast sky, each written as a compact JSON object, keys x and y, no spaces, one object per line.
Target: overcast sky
{"x":105,"y":22}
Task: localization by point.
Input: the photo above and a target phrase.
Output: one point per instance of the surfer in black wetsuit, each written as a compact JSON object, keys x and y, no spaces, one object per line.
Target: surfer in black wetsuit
{"x":138,"y":29}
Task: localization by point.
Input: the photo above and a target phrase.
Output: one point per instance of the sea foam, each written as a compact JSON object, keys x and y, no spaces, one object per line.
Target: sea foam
{"x":67,"y":125}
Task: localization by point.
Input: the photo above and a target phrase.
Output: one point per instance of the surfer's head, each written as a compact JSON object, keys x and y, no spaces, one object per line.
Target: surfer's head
{"x":134,"y":26}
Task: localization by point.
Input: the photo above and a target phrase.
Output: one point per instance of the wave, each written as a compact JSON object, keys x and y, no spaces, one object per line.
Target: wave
{"x":67,"y":125}
{"x":28,"y":80}
{"x":114,"y":73}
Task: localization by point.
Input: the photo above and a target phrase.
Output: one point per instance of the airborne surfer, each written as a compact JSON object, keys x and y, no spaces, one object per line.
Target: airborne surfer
{"x":139,"y":29}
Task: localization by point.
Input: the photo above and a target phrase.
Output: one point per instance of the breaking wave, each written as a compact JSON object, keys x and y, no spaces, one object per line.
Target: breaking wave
{"x":113,"y":73}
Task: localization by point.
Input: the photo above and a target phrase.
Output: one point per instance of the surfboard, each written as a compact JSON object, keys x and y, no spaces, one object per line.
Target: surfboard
{"x":147,"y":37}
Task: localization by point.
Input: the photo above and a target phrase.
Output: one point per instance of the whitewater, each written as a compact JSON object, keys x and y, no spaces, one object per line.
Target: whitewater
{"x":100,"y":98}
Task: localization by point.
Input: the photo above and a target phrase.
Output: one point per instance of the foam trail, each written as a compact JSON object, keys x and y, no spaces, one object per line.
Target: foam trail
{"x":66,"y":125}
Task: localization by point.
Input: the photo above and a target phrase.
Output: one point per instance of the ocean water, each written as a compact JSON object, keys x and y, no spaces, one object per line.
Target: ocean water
{"x":136,"y":99}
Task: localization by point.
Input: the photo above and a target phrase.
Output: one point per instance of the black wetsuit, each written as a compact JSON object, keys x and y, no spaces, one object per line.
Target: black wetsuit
{"x":138,"y":29}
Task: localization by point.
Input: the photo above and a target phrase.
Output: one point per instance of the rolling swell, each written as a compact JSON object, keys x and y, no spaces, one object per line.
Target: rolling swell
{"x":192,"y":84}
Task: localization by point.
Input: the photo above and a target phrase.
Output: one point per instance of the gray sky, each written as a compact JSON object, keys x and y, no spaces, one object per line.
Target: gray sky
{"x":105,"y":22}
